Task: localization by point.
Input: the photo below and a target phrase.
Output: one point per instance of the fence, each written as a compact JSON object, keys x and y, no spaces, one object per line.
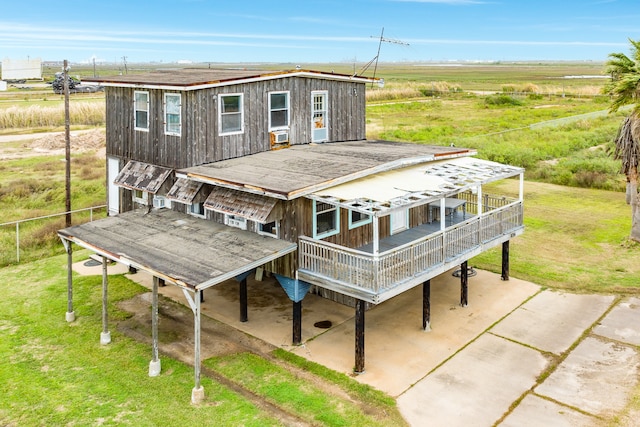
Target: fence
{"x":40,"y":218}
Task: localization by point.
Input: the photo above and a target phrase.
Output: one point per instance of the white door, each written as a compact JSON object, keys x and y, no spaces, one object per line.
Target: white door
{"x":399,"y":221}
{"x":113,"y":192}
{"x":319,"y":117}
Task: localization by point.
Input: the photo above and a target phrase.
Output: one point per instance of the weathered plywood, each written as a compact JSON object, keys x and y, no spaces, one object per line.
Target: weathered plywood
{"x":142,"y":176}
{"x":251,"y":206}
{"x":185,"y":250}
{"x":185,"y":191}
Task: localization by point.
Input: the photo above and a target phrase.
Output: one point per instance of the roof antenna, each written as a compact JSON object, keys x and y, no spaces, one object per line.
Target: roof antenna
{"x":375,"y":58}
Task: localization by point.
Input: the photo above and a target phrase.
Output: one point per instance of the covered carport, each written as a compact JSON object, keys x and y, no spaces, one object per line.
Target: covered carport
{"x":191,"y":253}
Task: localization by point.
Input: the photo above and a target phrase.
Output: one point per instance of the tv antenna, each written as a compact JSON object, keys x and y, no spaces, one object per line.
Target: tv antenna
{"x":381,"y":39}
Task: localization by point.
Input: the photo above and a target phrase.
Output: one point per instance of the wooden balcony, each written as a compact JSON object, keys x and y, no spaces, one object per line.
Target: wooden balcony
{"x":406,"y":261}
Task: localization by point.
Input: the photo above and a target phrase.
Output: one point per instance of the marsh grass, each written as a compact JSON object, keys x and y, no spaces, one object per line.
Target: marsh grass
{"x":37,"y":116}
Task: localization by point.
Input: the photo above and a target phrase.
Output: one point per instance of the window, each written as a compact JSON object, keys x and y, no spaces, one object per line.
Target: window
{"x":326,"y":220}
{"x":141,"y":107}
{"x":161,"y":202}
{"x":172,"y":114}
{"x":357,"y":219}
{"x":269,"y":229}
{"x":319,"y":116}
{"x":278,"y":110}
{"x":197,"y":209}
{"x":141,"y":197}
{"x":230,"y":116}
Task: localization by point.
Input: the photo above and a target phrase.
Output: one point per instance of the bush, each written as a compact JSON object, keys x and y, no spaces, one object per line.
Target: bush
{"x":502,"y":100}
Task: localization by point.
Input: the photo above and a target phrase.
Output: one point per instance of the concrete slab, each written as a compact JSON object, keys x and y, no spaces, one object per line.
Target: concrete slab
{"x":398,"y":353}
{"x":535,"y":411}
{"x":622,"y":322}
{"x":89,"y":267}
{"x":553,"y":321}
{"x":597,"y":377}
{"x":476,"y":387}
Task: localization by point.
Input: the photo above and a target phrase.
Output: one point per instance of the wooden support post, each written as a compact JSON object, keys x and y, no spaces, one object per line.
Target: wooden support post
{"x":505,"y":261}
{"x":464,"y":282}
{"x":426,"y":305}
{"x":197,"y":394}
{"x":244,"y":314}
{"x":297,"y":322}
{"x":70,"y":316}
{"x":202,"y":295}
{"x":154,"y":365}
{"x":359,"y":368}
{"x":105,"y":335}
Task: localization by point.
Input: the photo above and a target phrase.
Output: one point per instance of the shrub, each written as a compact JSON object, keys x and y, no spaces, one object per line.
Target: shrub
{"x":502,"y":100}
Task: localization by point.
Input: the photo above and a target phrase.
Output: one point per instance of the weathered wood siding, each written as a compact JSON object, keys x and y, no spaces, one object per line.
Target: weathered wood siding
{"x":200,"y":141}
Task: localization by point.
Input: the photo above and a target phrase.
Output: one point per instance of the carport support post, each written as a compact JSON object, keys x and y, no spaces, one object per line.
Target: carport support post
{"x":105,"y":335}
{"x":297,"y":322}
{"x":505,"y":260}
{"x":244,"y":316}
{"x":197,"y":394}
{"x":154,"y":365}
{"x":426,"y":305}
{"x":70,"y":315}
{"x":464,"y":281}
{"x":359,"y":369}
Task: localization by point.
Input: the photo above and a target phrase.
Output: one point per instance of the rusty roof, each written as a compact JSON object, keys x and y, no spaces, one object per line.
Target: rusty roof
{"x":198,"y":78}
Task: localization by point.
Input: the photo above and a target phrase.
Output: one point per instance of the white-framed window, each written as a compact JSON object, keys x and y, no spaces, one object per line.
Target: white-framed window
{"x":278,"y":110}
{"x":235,"y":221}
{"x":141,"y":197}
{"x":326,"y":220}
{"x":141,"y":107}
{"x":271,"y":229}
{"x":197,"y":209}
{"x":231,"y":113}
{"x":358,"y":219}
{"x":161,"y":202}
{"x":319,"y":116}
{"x":173,"y":114}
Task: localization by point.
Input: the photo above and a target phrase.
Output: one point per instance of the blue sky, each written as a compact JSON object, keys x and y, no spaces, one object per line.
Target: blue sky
{"x":317,"y":31}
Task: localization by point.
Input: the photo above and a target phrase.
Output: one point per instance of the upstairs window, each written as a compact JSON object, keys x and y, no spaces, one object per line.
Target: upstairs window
{"x":326,"y":220}
{"x":230,"y":116}
{"x":278,"y":110}
{"x":357,"y":219}
{"x":172,"y":114}
{"x":141,"y":107}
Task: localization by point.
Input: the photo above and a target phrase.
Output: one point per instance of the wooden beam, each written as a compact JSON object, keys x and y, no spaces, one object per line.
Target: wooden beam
{"x":154,"y":365}
{"x":359,"y":368}
{"x":244,"y":316}
{"x":197,"y":394}
{"x":505,"y":261}
{"x":70,"y":316}
{"x":426,"y":305}
{"x":105,"y":335}
{"x":297,"y":322}
{"x":464,"y":281}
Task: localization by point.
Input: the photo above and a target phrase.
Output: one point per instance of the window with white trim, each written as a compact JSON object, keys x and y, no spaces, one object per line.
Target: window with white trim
{"x":161,"y":202}
{"x":231,"y":113}
{"x":197,"y":209}
{"x":269,"y":229}
{"x":172,"y":114}
{"x":141,"y":107}
{"x":278,"y":110}
{"x":358,"y":219}
{"x":326,"y":220}
{"x":141,"y":197}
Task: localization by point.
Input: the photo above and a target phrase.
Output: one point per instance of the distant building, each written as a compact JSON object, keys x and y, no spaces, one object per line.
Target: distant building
{"x":18,"y":69}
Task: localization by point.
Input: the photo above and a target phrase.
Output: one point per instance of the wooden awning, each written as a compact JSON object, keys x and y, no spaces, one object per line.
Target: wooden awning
{"x":142,"y":176}
{"x":253,"y":207}
{"x":186,"y":191}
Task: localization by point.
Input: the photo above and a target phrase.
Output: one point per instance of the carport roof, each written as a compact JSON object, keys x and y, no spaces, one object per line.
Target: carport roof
{"x":190,"y":252}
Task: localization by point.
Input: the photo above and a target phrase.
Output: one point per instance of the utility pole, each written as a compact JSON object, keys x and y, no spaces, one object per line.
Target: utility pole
{"x":67,"y":145}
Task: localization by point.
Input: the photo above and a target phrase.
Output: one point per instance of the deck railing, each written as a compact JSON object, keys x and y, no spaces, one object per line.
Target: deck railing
{"x":382,"y":272}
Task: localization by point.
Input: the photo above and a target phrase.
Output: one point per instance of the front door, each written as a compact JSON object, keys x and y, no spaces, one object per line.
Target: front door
{"x":319,"y":125}
{"x":399,"y":221}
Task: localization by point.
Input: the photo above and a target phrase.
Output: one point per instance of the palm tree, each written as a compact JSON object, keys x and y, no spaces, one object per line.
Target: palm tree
{"x":624,"y":88}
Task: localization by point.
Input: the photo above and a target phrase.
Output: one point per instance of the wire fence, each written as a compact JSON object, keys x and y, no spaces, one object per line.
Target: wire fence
{"x":29,"y":221}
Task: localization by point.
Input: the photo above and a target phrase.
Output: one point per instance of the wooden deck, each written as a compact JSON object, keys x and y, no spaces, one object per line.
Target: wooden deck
{"x":409,"y":258}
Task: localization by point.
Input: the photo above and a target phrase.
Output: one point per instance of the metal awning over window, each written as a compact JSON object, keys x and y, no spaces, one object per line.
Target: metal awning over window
{"x":415,"y":185}
{"x":142,"y":176}
{"x":246,"y":205}
{"x":186,"y":191}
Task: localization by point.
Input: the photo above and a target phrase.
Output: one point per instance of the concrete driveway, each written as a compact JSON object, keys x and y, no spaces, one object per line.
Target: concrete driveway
{"x":516,"y":356}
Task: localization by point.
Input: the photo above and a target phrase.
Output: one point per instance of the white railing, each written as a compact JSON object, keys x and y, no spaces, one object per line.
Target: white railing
{"x":22,"y":221}
{"x":382,"y":272}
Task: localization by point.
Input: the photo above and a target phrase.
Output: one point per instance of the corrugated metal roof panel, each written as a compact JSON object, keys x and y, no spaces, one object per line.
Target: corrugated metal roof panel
{"x":250,"y":206}
{"x":142,"y":176}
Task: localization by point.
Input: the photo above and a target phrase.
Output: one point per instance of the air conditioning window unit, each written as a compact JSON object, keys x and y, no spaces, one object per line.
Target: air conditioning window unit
{"x":236,"y":221}
{"x":159,"y":202}
{"x":282,"y":137}
{"x":279,"y":139}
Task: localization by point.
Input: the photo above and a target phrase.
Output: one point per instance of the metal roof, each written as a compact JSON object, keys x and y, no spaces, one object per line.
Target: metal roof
{"x":192,"y":253}
{"x":303,"y":169}
{"x":415,"y":185}
{"x":201,"y":78}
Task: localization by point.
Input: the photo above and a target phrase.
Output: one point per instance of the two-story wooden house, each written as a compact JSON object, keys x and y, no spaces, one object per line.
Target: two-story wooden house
{"x":212,"y":174}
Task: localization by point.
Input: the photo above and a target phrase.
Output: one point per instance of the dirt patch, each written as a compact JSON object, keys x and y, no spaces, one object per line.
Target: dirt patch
{"x":81,"y":142}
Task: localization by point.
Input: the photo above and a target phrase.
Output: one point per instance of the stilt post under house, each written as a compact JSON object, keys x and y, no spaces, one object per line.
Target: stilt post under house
{"x":505,"y":261}
{"x":105,"y":335}
{"x":244,"y":312}
{"x":464,"y":282}
{"x":154,"y":365}
{"x":70,"y":315}
{"x":297,"y":322}
{"x":426,"y":305}
{"x":360,"y":309}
